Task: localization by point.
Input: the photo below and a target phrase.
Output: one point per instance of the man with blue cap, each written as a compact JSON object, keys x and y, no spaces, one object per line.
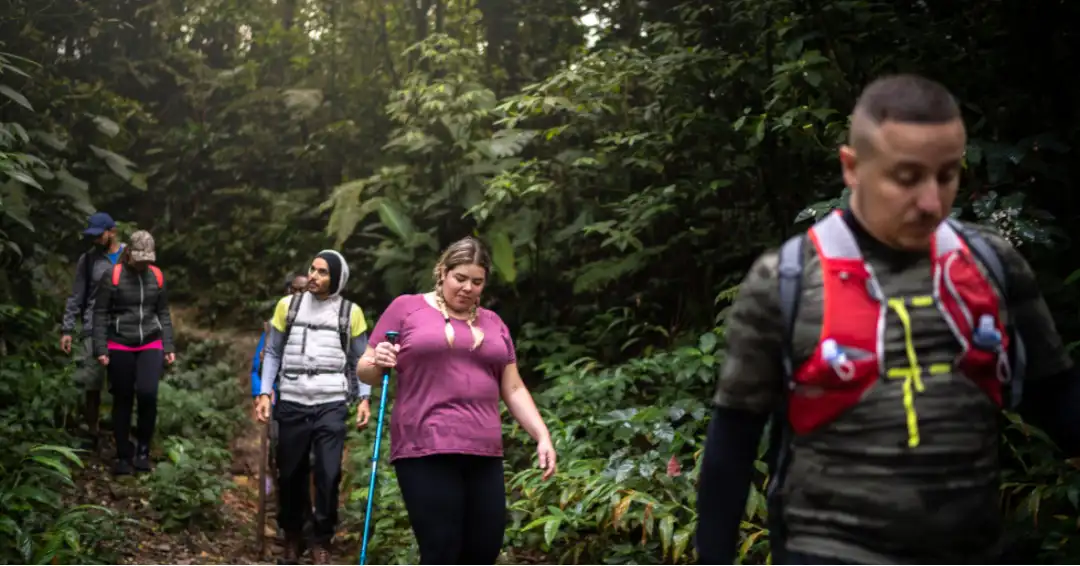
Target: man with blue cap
{"x":92,"y":265}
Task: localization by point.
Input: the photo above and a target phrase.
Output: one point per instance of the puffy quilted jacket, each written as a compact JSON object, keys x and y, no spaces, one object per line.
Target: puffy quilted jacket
{"x":132,"y":313}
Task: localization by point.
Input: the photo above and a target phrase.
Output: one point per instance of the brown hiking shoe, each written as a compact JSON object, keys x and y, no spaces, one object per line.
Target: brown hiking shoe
{"x":291,"y":555}
{"x":320,"y":554}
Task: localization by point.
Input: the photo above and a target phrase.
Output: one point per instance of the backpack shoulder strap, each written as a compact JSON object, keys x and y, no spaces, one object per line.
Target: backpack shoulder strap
{"x":344,"y":318}
{"x":88,"y":278}
{"x":290,"y":318}
{"x":984,"y":252}
{"x":116,"y":269}
{"x":790,"y":273}
{"x":158,"y":276}
{"x":989,"y":257}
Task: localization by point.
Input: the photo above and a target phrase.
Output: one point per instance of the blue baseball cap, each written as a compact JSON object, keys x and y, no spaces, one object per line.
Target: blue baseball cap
{"x":98,"y":223}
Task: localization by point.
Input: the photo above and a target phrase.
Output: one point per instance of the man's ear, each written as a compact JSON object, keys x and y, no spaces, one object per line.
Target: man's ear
{"x":848,"y":162}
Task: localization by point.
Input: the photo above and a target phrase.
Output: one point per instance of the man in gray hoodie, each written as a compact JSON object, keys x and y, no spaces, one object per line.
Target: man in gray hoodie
{"x":89,"y":375}
{"x":314,"y":342}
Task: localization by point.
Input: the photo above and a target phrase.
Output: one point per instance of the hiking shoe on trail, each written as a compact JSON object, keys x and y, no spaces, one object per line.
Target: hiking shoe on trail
{"x":122,"y":467}
{"x":142,"y":458}
{"x":320,"y":554}
{"x":291,"y":555}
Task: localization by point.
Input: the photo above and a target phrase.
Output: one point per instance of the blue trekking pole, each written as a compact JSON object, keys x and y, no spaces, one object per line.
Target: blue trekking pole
{"x":391,"y":337}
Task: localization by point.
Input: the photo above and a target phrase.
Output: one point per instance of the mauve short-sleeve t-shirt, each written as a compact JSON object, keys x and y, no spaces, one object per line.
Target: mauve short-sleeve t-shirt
{"x":447,"y":398}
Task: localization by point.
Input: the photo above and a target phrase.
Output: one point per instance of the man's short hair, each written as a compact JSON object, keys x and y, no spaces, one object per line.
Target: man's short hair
{"x":905,"y":98}
{"x":292,"y":277}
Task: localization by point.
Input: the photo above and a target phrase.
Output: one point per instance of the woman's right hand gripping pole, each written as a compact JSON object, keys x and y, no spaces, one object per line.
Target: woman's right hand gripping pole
{"x":386,"y":355}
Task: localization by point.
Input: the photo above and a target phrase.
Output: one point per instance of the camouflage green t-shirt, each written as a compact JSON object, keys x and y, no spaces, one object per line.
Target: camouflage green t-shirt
{"x":855,"y":489}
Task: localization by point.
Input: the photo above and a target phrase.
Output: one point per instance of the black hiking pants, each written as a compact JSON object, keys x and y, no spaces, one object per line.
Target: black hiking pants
{"x":456,"y":505}
{"x":134,"y":376}
{"x":304,"y":430}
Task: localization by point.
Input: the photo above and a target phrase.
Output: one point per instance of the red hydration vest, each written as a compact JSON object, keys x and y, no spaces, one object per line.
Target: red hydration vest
{"x":117,"y":268}
{"x":853,"y":323}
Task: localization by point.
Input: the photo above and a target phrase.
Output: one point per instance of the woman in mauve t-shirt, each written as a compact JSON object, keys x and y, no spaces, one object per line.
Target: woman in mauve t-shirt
{"x":454,"y":362}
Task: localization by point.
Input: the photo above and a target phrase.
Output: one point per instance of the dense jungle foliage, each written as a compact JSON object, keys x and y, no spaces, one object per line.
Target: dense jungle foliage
{"x":625,"y":160}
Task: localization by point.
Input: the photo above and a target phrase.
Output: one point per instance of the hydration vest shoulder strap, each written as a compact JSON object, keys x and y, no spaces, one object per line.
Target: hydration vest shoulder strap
{"x":119,"y":267}
{"x":989,"y":257}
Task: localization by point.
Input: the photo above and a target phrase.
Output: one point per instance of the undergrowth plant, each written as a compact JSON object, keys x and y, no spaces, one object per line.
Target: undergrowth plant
{"x":40,"y":520}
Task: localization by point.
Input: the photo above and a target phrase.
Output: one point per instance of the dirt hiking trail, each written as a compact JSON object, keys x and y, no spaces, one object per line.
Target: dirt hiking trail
{"x":234,"y":542}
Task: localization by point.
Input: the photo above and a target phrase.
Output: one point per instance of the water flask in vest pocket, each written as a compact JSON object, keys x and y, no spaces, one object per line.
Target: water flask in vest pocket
{"x":986,"y":336}
{"x":838,"y":360}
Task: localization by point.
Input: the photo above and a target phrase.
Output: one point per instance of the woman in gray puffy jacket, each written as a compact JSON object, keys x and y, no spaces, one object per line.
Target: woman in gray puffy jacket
{"x":133,"y":338}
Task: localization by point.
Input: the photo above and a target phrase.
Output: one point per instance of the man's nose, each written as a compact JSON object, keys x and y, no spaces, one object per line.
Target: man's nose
{"x":929,"y":199}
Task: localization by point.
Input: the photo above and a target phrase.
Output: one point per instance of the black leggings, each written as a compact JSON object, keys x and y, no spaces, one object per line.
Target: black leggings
{"x":457,"y":506}
{"x":134,"y":375}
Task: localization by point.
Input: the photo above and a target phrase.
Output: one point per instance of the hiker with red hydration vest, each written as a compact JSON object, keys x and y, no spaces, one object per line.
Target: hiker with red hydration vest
{"x":884,"y":343}
{"x":455,"y":361}
{"x":91,"y":266}
{"x":133,"y":339}
{"x":314,"y":342}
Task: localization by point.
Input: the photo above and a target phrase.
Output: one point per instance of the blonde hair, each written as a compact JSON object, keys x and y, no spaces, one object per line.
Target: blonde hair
{"x":466,"y":251}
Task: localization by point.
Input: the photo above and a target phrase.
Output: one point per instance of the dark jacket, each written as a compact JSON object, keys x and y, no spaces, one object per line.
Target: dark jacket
{"x":80,"y":304}
{"x":133,"y":313}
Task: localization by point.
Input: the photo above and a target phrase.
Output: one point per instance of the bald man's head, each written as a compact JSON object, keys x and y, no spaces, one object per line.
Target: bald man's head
{"x":903,"y":159}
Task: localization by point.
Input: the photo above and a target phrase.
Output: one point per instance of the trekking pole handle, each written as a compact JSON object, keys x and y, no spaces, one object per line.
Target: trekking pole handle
{"x":392,"y":336}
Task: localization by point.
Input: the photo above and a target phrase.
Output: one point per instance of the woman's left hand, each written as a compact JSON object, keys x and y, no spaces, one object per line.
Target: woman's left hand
{"x":170,"y":358}
{"x":545,"y":457}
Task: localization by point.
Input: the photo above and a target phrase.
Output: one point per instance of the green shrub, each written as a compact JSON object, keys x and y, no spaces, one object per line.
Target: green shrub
{"x":186,"y":490}
{"x":38,"y":522}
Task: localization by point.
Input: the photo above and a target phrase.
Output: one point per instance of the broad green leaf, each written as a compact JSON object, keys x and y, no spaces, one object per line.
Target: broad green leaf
{"x":117,"y":163}
{"x":16,"y":96}
{"x":106,"y":126}
{"x":707,"y":343}
{"x":23,"y":177}
{"x":502,"y":256}
{"x":392,"y":218}
{"x":667,"y":532}
{"x":52,"y":463}
{"x":138,"y":180}
{"x":14,"y":204}
{"x":551,"y":529}
{"x":64,"y":451}
{"x":681,"y":539}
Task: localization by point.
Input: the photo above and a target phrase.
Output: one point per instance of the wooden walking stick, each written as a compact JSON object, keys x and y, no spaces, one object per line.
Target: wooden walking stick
{"x":260,"y":518}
